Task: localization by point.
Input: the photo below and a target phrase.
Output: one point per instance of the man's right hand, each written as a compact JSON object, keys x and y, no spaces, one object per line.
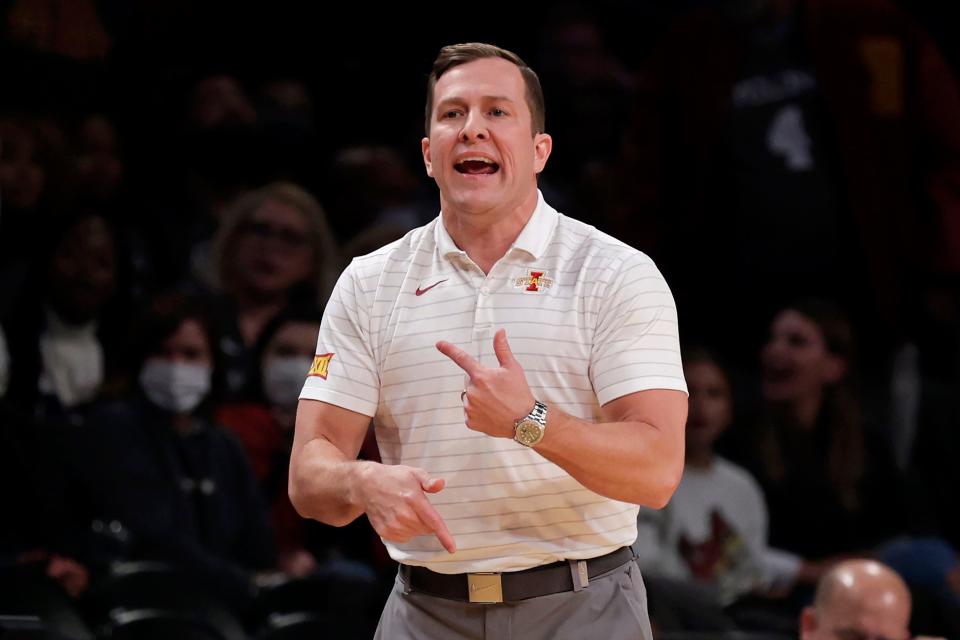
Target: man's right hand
{"x":395,"y":503}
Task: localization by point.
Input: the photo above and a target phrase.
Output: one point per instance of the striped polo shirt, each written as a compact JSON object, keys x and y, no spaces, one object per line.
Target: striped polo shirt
{"x":589,"y":318}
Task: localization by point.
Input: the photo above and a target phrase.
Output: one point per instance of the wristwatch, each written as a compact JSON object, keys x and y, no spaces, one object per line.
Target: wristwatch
{"x":529,"y":429}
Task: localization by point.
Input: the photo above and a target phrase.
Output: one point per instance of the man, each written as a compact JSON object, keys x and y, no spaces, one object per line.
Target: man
{"x":858,"y":600}
{"x":535,"y":451}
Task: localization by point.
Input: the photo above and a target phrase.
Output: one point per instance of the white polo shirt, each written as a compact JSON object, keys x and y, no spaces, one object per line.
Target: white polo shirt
{"x":589,"y":319}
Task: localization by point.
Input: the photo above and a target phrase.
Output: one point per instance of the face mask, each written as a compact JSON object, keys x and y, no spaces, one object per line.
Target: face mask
{"x":283,"y":379}
{"x":174,"y":386}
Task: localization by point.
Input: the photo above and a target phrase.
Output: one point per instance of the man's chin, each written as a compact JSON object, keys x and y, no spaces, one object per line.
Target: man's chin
{"x":476,"y":201}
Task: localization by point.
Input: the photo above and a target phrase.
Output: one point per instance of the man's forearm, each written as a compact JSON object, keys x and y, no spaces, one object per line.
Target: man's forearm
{"x":632,"y":461}
{"x":324,"y":483}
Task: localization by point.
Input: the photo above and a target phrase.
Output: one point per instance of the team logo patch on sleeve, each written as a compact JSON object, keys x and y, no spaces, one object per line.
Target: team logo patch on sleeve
{"x":533,"y":282}
{"x":320,"y":363}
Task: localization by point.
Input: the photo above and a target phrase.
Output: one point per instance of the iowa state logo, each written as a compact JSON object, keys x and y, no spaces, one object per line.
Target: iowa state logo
{"x":533,"y":282}
{"x":320,"y":363}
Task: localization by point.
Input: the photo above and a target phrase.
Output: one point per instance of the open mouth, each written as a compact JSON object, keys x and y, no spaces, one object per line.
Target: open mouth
{"x":778,"y":374}
{"x":477,"y":166}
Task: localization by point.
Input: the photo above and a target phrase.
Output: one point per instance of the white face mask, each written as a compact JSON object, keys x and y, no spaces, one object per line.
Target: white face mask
{"x":175,"y":386}
{"x":283,"y":379}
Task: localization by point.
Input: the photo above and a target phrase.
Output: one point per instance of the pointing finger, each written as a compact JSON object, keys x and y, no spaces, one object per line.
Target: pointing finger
{"x":460,"y":357}
{"x":429,"y":516}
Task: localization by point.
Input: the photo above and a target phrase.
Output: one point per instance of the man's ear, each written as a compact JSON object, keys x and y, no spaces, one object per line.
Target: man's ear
{"x":542,"y":146}
{"x":425,"y":149}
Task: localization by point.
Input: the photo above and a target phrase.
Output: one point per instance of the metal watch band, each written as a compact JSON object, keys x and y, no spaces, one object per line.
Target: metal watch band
{"x":539,"y":413}
{"x":538,"y":416}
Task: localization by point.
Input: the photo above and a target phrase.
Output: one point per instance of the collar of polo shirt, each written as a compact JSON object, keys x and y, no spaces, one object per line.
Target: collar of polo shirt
{"x":534,"y":238}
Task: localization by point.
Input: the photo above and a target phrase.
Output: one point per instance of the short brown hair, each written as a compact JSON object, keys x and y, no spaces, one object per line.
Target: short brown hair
{"x":457,"y":54}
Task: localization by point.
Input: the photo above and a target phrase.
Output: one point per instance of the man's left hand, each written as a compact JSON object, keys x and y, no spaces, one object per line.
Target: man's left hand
{"x":495,"y":398}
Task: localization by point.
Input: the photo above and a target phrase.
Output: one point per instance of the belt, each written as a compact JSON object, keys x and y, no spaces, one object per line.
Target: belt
{"x":510,"y":586}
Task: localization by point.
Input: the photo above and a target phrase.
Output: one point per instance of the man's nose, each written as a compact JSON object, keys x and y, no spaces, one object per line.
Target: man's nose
{"x":473,"y":128}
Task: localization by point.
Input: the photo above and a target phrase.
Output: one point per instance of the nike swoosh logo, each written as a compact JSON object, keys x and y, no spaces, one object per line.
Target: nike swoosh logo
{"x":420,"y":291}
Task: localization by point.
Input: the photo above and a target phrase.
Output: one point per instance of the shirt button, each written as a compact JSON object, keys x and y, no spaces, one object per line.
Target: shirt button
{"x":484,"y":291}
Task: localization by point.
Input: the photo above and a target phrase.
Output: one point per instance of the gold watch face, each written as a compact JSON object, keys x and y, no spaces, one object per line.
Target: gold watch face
{"x":528,"y":432}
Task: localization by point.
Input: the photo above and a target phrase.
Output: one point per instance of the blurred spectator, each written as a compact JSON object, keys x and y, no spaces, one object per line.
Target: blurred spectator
{"x":925,"y":402}
{"x":62,"y":330}
{"x":285,"y":352}
{"x":30,"y":150}
{"x":372,"y":238}
{"x":219,"y":101}
{"x":274,"y":248}
{"x":714,"y":529}
{"x":264,"y":427}
{"x":22,"y":174}
{"x":70,"y":28}
{"x":221,"y":137}
{"x":858,"y":599}
{"x":38,"y":534}
{"x":370,"y":185}
{"x":931,"y":568}
{"x":584,"y":83}
{"x":97,"y":159}
{"x":786,"y":147}
{"x":288,"y":126}
{"x":810,"y":449}
{"x":158,"y":447}
{"x":708,"y":547}
{"x":98,"y":179}
{"x":208,"y":158}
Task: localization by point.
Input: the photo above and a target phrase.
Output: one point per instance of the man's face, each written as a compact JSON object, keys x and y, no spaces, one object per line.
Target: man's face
{"x":883,"y":616}
{"x":481,"y":149}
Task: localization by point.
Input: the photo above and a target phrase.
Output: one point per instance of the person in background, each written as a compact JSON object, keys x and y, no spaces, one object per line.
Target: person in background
{"x":708,"y":547}
{"x":814,"y":146}
{"x":316,"y":556}
{"x":274,"y":248}
{"x":859,"y":600}
{"x":62,"y":332}
{"x":159,"y":447}
{"x":811,"y":449}
{"x":264,"y":426}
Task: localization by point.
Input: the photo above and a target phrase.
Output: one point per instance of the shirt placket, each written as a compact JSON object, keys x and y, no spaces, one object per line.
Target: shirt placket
{"x":485,"y":314}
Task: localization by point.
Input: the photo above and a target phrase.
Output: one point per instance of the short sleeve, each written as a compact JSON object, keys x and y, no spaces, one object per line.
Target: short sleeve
{"x":636,"y":342}
{"x":344,"y":370}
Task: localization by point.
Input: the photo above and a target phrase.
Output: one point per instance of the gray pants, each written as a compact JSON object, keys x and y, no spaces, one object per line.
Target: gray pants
{"x":612,"y":607}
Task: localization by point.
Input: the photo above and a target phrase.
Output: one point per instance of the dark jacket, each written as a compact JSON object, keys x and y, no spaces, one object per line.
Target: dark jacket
{"x":189,"y":500}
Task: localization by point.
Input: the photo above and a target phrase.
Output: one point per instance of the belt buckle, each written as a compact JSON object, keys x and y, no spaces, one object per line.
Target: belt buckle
{"x":484,"y":588}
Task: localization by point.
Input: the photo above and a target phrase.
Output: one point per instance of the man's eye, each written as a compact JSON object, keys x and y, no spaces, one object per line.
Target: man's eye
{"x":498,"y":112}
{"x":450,"y":114}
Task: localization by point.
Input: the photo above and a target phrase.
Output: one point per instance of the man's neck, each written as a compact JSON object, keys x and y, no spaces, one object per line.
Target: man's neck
{"x":486,"y":237}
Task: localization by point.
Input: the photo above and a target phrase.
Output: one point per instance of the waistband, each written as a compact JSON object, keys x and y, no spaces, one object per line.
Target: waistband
{"x":511,"y":586}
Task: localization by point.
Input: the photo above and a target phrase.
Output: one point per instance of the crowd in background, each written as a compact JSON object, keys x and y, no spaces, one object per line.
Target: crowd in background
{"x":174,"y":214}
